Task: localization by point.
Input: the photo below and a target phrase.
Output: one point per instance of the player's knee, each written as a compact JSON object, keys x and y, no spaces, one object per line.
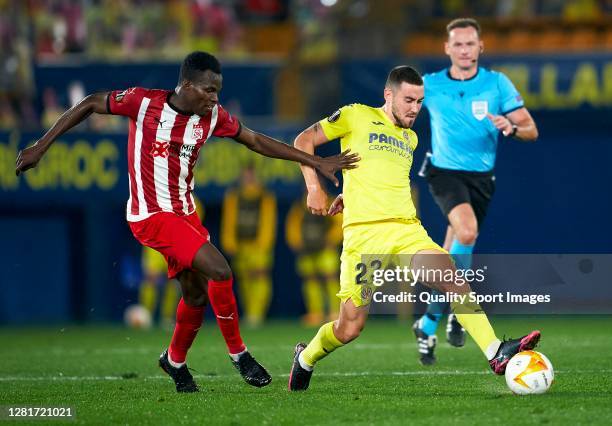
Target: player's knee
{"x":349,"y":332}
{"x":221,"y":272}
{"x":196,"y":299}
{"x":466,"y":235}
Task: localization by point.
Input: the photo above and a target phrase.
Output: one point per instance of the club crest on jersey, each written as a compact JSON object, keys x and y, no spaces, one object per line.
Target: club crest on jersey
{"x":198,"y":132}
{"x":160,"y":149}
{"x":406,"y":136}
{"x":366,"y":294}
{"x":480,"y":109}
{"x":334,"y":117}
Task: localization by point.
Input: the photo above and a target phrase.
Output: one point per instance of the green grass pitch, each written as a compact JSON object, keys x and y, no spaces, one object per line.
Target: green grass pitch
{"x":109,"y":375}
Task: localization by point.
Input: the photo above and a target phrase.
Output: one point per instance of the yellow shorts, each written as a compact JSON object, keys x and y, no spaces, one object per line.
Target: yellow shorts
{"x":321,"y":262}
{"x":153,"y":262}
{"x":385,"y":240}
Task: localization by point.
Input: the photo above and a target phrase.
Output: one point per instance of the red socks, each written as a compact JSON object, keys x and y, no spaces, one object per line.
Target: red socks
{"x":188,"y":322}
{"x":223,"y":302}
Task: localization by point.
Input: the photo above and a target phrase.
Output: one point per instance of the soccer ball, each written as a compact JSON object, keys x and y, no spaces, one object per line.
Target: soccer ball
{"x":137,"y":316}
{"x":529,"y":372}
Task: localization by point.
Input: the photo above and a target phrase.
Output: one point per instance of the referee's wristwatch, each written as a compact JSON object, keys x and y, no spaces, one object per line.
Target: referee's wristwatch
{"x":514,"y":130}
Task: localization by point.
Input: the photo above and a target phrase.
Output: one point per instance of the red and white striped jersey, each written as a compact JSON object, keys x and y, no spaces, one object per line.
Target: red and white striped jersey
{"x":163,"y":146}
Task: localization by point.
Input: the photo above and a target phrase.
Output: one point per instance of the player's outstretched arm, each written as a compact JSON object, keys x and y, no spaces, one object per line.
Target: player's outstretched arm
{"x":307,"y":141}
{"x":272,"y":148}
{"x":29,"y":157}
{"x":518,"y":124}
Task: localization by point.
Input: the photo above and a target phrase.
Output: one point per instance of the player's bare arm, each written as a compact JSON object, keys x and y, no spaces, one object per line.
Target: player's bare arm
{"x":526,"y":129}
{"x":29,"y":157}
{"x":307,"y":141}
{"x":270,"y":147}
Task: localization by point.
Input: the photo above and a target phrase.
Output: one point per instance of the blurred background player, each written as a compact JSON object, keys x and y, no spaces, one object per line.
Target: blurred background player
{"x":155,"y":288}
{"x":469,"y":107}
{"x":315,"y":240}
{"x":248,"y":234}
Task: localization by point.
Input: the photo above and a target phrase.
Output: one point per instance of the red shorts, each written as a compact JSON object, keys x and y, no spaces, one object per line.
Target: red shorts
{"x":178,"y":238}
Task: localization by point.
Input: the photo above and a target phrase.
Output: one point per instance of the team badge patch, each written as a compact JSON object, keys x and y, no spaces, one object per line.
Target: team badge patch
{"x":198,"y":132}
{"x":119,"y":96}
{"x":406,"y":136}
{"x":366,"y":294}
{"x":480,"y":109}
{"x":334,"y":117}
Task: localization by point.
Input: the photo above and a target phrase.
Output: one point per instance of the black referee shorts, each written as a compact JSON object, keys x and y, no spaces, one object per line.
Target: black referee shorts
{"x":450,"y":188}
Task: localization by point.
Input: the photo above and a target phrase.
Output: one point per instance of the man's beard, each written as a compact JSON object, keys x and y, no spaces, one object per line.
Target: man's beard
{"x":400,"y":123}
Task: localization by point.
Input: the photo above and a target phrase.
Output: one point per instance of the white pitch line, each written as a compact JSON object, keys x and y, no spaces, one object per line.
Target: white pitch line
{"x":145,"y":350}
{"x":338,"y":374}
{"x":63,"y":352}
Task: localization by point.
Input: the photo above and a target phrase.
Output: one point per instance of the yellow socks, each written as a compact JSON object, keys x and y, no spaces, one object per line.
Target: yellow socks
{"x":324,"y":343}
{"x":475,"y":321}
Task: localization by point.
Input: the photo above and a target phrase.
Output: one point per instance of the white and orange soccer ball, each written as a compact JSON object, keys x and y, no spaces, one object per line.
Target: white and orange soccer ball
{"x":529,"y":372}
{"x":137,"y":316}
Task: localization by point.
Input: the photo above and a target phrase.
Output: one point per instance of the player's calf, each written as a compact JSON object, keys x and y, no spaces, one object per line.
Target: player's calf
{"x":346,"y":333}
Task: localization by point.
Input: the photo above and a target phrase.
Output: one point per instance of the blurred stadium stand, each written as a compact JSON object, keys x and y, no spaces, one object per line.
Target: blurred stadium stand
{"x":286,"y":63}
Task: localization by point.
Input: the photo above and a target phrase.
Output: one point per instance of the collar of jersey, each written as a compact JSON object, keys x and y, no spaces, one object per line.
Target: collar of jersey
{"x":174,"y":107}
{"x":448,"y":74}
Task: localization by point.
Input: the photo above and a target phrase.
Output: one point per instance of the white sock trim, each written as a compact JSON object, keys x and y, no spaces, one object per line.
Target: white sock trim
{"x":303,"y":363}
{"x":492,"y":349}
{"x":174,"y":364}
{"x":236,"y":357}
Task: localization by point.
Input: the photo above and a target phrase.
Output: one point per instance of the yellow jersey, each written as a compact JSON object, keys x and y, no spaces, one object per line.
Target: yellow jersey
{"x":379,"y":188}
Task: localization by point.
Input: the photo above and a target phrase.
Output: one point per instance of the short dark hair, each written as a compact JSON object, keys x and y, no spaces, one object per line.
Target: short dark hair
{"x":463,"y":23}
{"x":196,"y":63}
{"x":404,"y":74}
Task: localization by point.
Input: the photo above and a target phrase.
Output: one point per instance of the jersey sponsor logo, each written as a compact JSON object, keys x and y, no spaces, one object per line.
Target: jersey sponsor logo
{"x":480,"y":109}
{"x":198,"y":132}
{"x":399,"y":146}
{"x":187,"y":151}
{"x":160,"y":149}
{"x":334,"y":117}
